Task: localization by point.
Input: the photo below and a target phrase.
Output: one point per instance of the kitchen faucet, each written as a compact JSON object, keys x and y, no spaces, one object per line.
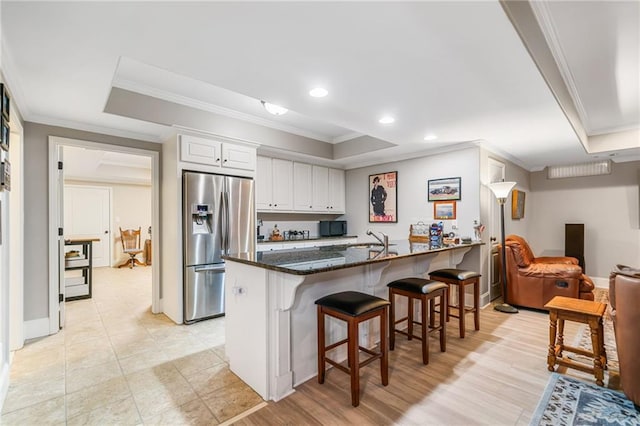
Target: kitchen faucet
{"x":384,"y":241}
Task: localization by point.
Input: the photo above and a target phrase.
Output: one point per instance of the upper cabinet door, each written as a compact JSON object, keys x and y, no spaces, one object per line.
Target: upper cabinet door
{"x":302,"y":187}
{"x":282,"y":184}
{"x":199,"y":150}
{"x":238,"y":156}
{"x":263,"y":184}
{"x":337,"y":191}
{"x":320,"y":189}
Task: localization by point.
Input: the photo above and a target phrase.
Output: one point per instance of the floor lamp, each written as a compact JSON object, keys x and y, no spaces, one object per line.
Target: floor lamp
{"x":501,"y":190}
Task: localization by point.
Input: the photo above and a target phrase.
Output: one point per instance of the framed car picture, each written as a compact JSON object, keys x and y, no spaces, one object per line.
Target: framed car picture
{"x":444,"y":189}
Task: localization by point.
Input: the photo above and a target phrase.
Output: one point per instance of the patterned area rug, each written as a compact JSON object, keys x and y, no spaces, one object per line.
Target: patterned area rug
{"x":583,"y":337}
{"x":568,"y":401}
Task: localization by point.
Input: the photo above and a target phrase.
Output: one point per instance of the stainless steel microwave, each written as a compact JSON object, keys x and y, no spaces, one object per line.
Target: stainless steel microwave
{"x":333,"y":228}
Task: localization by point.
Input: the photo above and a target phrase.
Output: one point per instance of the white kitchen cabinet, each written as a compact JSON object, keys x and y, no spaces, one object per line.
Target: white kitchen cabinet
{"x":290,"y":245}
{"x":215,"y":153}
{"x":320,"y":189}
{"x":302,"y":187}
{"x":283,"y":185}
{"x":336,"y":191}
{"x":199,"y":150}
{"x":238,"y":156}
{"x":328,"y":190}
{"x":269,"y":247}
{"x":274,"y":184}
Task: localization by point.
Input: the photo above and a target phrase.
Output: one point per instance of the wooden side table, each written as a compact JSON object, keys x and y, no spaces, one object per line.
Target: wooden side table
{"x":584,"y":311}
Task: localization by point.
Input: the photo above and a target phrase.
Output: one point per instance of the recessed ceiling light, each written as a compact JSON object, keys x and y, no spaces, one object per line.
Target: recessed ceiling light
{"x":274,"y":109}
{"x":430,"y":137}
{"x":318,"y":92}
{"x":386,"y":120}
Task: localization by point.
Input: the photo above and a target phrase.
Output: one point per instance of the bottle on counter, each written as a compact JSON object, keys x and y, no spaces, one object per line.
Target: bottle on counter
{"x":275,"y":234}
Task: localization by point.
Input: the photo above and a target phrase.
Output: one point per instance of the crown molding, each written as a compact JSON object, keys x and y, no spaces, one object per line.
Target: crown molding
{"x":49,"y":121}
{"x":205,"y":106}
{"x":505,"y":155}
{"x":346,"y":137}
{"x":543,"y":15}
{"x":13,"y":81}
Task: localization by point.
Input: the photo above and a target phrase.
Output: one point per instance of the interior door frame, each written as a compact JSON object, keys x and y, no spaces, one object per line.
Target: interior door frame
{"x":54,"y":143}
{"x":111,"y":236}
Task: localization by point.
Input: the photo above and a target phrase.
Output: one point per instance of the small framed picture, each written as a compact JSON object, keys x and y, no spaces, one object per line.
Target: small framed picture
{"x":517,"y":204}
{"x":444,"y":189}
{"x":5,"y":133}
{"x":383,"y":197}
{"x":6,"y":102}
{"x":444,"y":210}
{"x":5,"y":175}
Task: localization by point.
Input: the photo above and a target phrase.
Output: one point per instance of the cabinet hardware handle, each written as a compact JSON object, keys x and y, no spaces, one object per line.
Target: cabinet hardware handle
{"x":217,"y":159}
{"x":226,"y":159}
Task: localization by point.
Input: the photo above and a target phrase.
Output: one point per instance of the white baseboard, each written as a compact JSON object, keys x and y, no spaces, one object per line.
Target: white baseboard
{"x":600,"y":282}
{"x":36,"y":328}
{"x":4,"y":383}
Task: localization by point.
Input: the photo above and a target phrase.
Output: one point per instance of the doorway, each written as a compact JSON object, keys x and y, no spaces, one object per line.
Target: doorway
{"x":81,"y":205}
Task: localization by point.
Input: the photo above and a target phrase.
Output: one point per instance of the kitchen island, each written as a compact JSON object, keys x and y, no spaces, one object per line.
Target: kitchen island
{"x":270,"y":311}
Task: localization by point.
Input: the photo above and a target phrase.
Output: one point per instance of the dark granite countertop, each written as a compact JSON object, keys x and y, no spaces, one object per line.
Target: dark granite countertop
{"x":328,"y":258}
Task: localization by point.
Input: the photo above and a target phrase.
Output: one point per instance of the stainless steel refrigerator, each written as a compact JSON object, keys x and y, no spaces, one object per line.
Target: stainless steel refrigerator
{"x":219,"y":218}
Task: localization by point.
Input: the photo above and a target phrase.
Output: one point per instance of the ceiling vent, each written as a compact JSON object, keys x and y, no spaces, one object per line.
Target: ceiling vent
{"x":576,"y":170}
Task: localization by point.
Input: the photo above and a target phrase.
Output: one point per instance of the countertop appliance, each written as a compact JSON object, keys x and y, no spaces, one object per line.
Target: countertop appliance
{"x":218,"y":218}
{"x":332,"y":228}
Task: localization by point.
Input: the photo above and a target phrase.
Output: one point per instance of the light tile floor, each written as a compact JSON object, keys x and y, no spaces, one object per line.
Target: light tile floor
{"x":117,"y":363}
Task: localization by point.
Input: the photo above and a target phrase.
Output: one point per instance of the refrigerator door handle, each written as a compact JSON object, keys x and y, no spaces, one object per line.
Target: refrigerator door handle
{"x":226,"y":222}
{"x":209,"y":268}
{"x":224,"y":236}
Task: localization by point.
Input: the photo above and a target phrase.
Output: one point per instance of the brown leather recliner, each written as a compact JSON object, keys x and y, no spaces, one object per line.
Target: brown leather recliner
{"x":624,"y":297}
{"x":534,"y":281}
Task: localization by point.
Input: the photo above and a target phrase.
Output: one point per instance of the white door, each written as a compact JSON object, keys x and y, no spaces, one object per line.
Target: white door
{"x":320,"y":188}
{"x":264,"y":200}
{"x":496,"y":174}
{"x":60,"y":226}
{"x":282,"y":184}
{"x":336,"y":191}
{"x":87,"y":216}
{"x":302,"y":187}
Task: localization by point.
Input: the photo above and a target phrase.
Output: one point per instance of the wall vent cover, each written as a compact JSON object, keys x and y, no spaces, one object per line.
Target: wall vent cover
{"x":576,"y":170}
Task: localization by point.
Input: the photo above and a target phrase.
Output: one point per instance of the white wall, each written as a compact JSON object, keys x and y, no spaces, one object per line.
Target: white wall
{"x":608,"y":207}
{"x":131,"y":209}
{"x":412,"y":193}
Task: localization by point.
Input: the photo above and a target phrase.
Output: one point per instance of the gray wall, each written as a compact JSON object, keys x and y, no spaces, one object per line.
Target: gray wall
{"x":36,"y":186}
{"x":608,"y":207}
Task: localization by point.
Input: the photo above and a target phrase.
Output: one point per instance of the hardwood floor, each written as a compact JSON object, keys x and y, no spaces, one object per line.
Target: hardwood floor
{"x":492,"y":376}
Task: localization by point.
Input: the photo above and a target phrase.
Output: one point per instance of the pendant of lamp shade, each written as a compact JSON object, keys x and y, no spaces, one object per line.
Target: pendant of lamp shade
{"x":501,"y":189}
{"x":274,"y":109}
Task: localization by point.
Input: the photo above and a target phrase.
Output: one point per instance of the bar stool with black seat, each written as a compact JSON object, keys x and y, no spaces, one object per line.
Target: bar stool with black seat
{"x":461,"y":278}
{"x":353,"y":307}
{"x":425,"y":291}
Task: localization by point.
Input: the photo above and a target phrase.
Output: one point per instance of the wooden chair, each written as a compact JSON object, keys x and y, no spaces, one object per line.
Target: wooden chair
{"x":130,"y":239}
